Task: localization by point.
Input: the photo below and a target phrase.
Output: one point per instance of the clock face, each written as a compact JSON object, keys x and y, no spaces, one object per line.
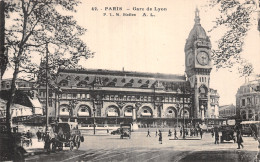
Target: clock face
{"x":203,"y":58}
{"x":190,"y":59}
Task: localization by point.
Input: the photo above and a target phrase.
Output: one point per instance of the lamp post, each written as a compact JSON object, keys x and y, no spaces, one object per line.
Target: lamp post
{"x":57,"y":103}
{"x":72,"y":104}
{"x":178,"y":107}
{"x":47,"y":89}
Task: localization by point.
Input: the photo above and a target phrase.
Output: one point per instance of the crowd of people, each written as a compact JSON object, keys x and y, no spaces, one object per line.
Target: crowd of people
{"x":193,"y":132}
{"x":196,"y":132}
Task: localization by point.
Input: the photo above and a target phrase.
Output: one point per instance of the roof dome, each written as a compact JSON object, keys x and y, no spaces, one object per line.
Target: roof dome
{"x":196,"y":33}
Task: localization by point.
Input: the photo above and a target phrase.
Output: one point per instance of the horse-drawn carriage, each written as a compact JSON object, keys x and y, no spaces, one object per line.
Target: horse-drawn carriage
{"x":63,"y":135}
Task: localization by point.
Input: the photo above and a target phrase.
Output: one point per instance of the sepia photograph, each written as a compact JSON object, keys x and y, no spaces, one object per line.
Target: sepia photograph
{"x":130,"y":80}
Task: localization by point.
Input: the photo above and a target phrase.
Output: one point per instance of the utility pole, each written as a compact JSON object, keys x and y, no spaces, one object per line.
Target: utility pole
{"x":47,"y":88}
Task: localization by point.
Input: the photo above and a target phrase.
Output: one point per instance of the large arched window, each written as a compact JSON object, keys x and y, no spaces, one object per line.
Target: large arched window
{"x":170,"y":112}
{"x":84,"y":111}
{"x":64,"y":110}
{"x":146,"y":112}
{"x":112,"y":111}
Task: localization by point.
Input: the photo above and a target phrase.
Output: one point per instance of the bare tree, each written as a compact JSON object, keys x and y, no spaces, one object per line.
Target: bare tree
{"x":34,"y":23}
{"x":236,"y":20}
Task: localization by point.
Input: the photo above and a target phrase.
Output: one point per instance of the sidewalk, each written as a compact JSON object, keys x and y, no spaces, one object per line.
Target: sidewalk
{"x":36,"y":148}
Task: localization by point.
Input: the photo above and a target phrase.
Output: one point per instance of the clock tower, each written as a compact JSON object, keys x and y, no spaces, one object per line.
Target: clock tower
{"x":198,"y":65}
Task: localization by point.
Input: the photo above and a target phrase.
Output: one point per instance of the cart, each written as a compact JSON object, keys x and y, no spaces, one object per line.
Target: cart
{"x":65,"y":135}
{"x":227,"y":133}
{"x":125,"y":130}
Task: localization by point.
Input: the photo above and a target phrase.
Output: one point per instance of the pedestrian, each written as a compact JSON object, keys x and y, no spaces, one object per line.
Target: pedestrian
{"x":107,"y":131}
{"x":181,"y":132}
{"x":28,"y":134}
{"x":38,"y":134}
{"x":175,"y":134}
{"x":160,"y":137}
{"x":148,"y":133}
{"x":239,"y":140}
{"x":216,"y":137}
{"x":201,"y":133}
{"x":170,"y":133}
{"x":156,"y":132}
{"x":47,"y":141}
{"x":212,"y":132}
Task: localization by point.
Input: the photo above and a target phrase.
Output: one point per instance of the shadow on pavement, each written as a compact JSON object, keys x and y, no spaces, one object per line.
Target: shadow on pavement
{"x":223,"y":156}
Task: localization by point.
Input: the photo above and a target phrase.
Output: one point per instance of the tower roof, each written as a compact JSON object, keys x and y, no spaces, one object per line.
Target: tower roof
{"x":196,"y":33}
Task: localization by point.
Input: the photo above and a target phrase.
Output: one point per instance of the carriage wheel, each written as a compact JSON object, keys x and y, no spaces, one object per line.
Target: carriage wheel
{"x":71,"y":145}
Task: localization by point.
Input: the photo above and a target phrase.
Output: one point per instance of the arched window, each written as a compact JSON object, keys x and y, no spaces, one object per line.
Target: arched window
{"x":83,"y":111}
{"x":170,"y":112}
{"x":64,"y":111}
{"x":112,"y":111}
{"x":146,"y":111}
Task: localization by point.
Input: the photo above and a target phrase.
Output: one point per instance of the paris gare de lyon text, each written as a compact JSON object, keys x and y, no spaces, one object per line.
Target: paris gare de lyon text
{"x":136,"y":9}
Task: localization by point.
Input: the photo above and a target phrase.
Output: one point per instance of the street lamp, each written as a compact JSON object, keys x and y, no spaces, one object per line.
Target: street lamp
{"x":94,"y":115}
{"x":183,"y":123}
{"x":178,"y":108}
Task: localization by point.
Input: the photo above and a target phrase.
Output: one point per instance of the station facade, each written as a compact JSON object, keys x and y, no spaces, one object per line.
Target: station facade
{"x":148,"y":99}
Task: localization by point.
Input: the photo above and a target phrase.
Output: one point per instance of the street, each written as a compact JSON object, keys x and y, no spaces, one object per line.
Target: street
{"x":142,"y":148}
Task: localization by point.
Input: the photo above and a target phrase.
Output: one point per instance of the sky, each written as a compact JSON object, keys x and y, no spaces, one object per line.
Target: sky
{"x":155,"y":43}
